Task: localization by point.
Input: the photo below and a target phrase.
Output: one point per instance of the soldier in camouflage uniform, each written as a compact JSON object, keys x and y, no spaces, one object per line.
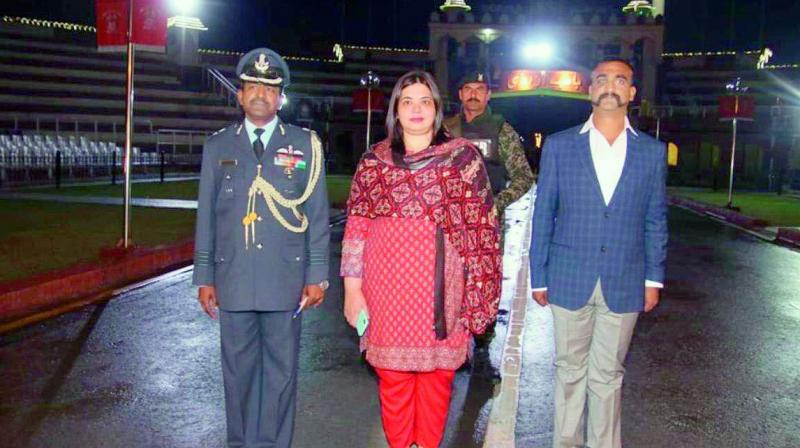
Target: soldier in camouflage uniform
{"x":508,"y":169}
{"x":509,"y":173}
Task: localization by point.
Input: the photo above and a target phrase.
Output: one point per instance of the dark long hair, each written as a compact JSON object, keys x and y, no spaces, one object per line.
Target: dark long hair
{"x":393,"y":127}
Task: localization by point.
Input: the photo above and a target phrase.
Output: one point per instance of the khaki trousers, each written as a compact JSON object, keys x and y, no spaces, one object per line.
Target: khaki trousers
{"x":591,"y":344}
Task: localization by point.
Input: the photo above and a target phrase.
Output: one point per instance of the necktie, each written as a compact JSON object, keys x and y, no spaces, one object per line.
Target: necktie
{"x":258,"y":145}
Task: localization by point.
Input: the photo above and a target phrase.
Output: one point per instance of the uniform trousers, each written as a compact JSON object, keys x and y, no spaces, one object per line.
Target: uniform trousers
{"x":259,"y":369}
{"x":414,"y":406}
{"x":591,"y":345}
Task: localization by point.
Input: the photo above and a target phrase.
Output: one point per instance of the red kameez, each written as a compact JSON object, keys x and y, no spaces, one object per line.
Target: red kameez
{"x":396,"y":215}
{"x":389,"y":242}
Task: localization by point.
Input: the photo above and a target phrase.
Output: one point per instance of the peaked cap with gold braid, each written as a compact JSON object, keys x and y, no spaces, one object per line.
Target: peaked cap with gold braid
{"x":264,"y":66}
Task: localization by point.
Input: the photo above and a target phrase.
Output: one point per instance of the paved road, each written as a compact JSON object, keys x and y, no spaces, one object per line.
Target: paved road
{"x":716,"y":365}
{"x":143,"y":370}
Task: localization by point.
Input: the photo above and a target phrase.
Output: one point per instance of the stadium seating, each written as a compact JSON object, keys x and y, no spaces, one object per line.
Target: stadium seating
{"x":55,"y":85}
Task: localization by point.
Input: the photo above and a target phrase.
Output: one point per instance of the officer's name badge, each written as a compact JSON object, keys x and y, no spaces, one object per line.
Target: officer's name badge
{"x":228,"y":162}
{"x":290,"y":159}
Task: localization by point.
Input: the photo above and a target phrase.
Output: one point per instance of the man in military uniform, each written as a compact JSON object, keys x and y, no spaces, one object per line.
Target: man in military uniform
{"x":261,"y":251}
{"x":508,"y":169}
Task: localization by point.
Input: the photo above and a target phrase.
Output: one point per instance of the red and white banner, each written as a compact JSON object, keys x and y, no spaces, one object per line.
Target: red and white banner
{"x":149,"y":25}
{"x":112,"y":25}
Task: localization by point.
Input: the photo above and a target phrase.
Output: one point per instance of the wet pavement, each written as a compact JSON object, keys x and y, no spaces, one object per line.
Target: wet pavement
{"x":717,"y":364}
{"x":143,"y":370}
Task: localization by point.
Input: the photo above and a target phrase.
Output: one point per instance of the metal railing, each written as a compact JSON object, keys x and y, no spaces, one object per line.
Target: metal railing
{"x":219,"y":84}
{"x":171,"y":139}
{"x":70,"y":125}
{"x":31,"y":168}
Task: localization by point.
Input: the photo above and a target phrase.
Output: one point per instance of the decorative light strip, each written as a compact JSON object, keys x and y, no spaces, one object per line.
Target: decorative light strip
{"x":305,"y":58}
{"x":708,"y":53}
{"x":239,"y":54}
{"x":777,"y":66}
{"x":220,"y":52}
{"x":397,"y":50}
{"x":190,"y":23}
{"x":698,"y":53}
{"x":50,"y":24}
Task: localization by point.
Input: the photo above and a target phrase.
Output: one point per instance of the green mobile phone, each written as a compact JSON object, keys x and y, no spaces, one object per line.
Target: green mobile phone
{"x":362,"y":322}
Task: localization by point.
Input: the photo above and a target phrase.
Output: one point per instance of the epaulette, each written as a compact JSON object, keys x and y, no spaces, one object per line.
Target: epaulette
{"x":220,"y":131}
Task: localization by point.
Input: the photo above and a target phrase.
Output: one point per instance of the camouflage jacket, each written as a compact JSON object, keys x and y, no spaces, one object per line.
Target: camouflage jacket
{"x":511,"y":154}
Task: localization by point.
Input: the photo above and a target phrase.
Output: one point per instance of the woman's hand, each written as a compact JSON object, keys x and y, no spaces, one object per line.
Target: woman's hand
{"x":354,"y":300}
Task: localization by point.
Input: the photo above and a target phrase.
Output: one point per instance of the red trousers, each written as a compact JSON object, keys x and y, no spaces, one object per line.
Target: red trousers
{"x":414,"y":406}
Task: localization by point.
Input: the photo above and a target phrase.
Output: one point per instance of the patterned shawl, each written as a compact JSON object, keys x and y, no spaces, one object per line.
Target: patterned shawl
{"x":446,"y":184}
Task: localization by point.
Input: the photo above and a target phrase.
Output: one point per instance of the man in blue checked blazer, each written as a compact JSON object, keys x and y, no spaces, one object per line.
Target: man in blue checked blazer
{"x":597,"y":254}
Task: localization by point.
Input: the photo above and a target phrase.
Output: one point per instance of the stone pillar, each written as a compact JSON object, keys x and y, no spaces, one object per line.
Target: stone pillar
{"x":483,"y":54}
{"x":462,"y":49}
{"x":437,"y":51}
{"x":651,"y":58}
{"x":626,"y":50}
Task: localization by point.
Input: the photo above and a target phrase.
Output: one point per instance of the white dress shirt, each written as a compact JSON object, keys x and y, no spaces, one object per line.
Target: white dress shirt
{"x":608,"y":160}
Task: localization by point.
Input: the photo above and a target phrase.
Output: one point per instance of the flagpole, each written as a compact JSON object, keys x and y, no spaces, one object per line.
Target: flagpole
{"x":128,"y":130}
{"x":369,"y":113}
{"x":371,"y":81}
{"x":733,"y":159}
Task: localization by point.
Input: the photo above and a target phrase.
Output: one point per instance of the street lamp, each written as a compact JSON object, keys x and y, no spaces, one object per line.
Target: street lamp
{"x":370,"y":81}
{"x":488,"y":35}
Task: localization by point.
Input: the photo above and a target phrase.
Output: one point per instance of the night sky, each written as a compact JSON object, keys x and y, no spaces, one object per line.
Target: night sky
{"x":296,"y":27}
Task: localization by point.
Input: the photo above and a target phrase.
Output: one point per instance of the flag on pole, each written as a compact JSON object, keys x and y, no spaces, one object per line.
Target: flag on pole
{"x":741,"y":107}
{"x":376,"y":101}
{"x":112,"y":25}
{"x":149,"y":25}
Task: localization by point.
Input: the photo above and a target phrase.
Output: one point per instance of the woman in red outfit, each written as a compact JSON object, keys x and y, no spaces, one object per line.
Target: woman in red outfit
{"x":421,"y":257}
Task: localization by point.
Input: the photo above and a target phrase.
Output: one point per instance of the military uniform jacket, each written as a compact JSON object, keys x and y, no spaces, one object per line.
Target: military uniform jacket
{"x":504,"y":159}
{"x":270,"y":273}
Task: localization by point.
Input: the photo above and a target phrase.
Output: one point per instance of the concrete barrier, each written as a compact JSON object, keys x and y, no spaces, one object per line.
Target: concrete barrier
{"x":24,"y":298}
{"x":722,"y":213}
{"x":73,"y":286}
{"x":789,"y":236}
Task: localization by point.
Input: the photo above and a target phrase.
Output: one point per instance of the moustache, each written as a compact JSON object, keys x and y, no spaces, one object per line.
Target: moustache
{"x":606,"y":95}
{"x":259,"y":103}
